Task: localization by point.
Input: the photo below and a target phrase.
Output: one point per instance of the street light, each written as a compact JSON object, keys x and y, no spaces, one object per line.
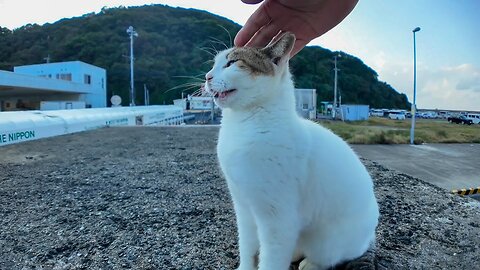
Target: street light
{"x":414,"y":105}
{"x":334,"y":111}
{"x":132,"y":33}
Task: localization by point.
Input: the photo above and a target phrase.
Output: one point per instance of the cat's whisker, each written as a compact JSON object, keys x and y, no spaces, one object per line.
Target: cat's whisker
{"x":207,"y":50}
{"x":217,"y":41}
{"x":189,"y":76}
{"x":183,"y":90}
{"x":188,"y":84}
{"x":192,"y":77}
{"x":208,"y":61}
{"x":228,"y":33}
{"x":214,"y":49}
{"x":184,"y":87}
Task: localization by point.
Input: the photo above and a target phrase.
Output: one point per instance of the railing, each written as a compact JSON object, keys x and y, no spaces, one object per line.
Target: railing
{"x":30,"y":125}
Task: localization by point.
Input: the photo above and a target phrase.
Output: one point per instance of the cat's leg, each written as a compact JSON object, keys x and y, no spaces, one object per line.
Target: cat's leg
{"x":326,"y":249}
{"x":247,"y":238}
{"x":278,"y":237}
{"x":364,"y":262}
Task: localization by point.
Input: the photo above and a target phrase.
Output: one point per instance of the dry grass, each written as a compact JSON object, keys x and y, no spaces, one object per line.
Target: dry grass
{"x":385,"y":131}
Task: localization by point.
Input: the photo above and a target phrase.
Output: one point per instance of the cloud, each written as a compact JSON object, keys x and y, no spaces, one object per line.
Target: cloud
{"x":379,"y":61}
{"x":450,"y":87}
{"x":468,"y":77}
{"x":455,"y":87}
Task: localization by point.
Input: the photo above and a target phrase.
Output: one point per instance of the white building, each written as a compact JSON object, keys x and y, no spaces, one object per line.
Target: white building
{"x":306,"y":102}
{"x":62,"y":83}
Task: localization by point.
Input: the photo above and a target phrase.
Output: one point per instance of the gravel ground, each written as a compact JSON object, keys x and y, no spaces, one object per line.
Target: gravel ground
{"x":153,"y":198}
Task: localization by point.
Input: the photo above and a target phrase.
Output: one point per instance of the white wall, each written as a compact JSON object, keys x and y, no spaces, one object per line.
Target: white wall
{"x":95,"y":92}
{"x":201,"y":103}
{"x":306,"y":101}
{"x":17,"y":127}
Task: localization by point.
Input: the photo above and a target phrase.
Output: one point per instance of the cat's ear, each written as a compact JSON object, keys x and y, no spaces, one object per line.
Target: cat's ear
{"x":279,"y":50}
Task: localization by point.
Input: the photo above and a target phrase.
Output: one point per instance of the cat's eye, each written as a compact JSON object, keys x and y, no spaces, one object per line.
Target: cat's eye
{"x":229,"y":63}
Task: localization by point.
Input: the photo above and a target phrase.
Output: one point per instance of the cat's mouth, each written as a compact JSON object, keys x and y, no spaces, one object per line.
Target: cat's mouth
{"x":223,"y":94}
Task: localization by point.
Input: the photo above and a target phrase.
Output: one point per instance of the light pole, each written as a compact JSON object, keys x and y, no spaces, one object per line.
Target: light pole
{"x":132,"y":33}
{"x":334,"y":109}
{"x":414,"y":105}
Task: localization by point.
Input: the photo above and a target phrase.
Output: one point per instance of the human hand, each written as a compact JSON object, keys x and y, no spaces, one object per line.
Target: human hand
{"x":307,"y":19}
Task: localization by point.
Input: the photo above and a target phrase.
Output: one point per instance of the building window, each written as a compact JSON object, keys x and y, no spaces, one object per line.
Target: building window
{"x":87,"y":79}
{"x":65,"y":76}
{"x":305,"y":106}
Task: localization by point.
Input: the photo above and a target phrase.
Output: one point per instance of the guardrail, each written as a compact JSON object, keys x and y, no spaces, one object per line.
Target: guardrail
{"x":23,"y":126}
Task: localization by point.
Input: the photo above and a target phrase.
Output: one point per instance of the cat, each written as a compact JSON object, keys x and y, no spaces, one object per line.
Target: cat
{"x":298,"y":190}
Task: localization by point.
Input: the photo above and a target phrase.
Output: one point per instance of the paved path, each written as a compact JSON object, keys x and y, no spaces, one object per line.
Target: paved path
{"x":449,"y":166}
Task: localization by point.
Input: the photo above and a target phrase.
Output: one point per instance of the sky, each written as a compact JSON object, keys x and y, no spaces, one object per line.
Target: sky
{"x":379,"y":32}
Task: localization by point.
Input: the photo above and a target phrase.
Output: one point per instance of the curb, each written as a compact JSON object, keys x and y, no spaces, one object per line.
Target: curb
{"x":470,"y":191}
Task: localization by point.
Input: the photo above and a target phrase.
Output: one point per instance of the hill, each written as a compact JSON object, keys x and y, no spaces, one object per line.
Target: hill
{"x":175,"y":43}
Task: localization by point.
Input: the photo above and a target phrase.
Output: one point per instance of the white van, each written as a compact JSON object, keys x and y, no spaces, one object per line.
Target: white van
{"x":475,"y":117}
{"x":376,"y":112}
{"x":397,"y":115}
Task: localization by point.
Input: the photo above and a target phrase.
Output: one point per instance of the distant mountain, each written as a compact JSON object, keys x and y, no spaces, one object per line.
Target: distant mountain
{"x":174,"y":43}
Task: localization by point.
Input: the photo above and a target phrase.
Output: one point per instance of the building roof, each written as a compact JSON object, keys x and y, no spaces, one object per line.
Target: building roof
{"x":14,"y":84}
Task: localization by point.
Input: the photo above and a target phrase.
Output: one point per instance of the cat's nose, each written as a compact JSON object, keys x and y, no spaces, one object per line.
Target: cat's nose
{"x":208,"y":76}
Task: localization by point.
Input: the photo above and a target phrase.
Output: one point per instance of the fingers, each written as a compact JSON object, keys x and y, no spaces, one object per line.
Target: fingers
{"x":264,"y":36}
{"x":258,"y":20}
{"x":307,"y":19}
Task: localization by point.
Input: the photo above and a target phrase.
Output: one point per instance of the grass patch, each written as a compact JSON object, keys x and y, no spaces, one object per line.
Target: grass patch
{"x":385,"y":131}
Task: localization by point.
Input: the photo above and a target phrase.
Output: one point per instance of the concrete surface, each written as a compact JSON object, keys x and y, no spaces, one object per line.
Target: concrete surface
{"x":154,"y":198}
{"x":449,"y":166}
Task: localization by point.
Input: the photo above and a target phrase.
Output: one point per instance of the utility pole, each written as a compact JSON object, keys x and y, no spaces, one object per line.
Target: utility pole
{"x":414,"y":105}
{"x":334,"y":110}
{"x":146,"y":94}
{"x":47,"y":59}
{"x":132,"y":33}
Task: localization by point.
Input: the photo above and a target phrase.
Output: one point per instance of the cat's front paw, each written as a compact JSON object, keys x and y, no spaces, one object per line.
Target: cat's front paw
{"x":307,"y":265}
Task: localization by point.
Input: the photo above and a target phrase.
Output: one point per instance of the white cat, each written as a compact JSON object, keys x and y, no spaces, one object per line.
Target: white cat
{"x":299,"y":191}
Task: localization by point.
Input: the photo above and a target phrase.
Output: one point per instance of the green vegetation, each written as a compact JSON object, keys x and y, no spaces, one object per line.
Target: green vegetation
{"x":386,"y":131}
{"x":174,"y":43}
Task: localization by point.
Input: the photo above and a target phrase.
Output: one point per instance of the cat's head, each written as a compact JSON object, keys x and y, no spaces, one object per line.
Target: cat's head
{"x":244,"y":77}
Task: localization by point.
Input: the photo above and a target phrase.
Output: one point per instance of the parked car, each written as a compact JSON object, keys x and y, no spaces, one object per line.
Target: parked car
{"x":376,"y":112}
{"x":475,"y":117}
{"x":461,"y":119}
{"x":397,"y":115}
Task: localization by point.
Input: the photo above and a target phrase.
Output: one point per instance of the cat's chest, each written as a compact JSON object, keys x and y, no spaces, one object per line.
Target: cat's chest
{"x":243,"y":144}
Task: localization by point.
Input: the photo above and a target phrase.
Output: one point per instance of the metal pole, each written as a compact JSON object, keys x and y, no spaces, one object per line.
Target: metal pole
{"x":414,"y":105}
{"x":334,"y":110}
{"x":131,"y":33}
{"x":146,"y":95}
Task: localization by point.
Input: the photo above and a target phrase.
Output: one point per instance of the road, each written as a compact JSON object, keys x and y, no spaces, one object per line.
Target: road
{"x":449,"y":166}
